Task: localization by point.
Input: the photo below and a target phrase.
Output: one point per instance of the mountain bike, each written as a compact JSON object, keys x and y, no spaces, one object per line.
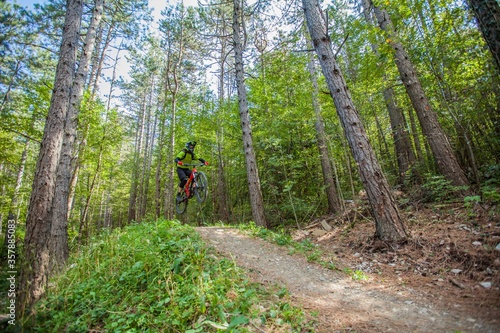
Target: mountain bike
{"x":196,"y":185}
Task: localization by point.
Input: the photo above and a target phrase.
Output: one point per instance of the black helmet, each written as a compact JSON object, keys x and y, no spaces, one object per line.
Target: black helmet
{"x":190,"y":146}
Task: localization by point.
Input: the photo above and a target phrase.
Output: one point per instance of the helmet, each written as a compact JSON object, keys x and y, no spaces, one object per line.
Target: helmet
{"x":190,"y":146}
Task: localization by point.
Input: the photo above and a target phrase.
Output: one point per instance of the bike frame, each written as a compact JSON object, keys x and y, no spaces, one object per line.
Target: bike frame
{"x":193,"y":186}
{"x":189,"y":194}
{"x":190,"y":180}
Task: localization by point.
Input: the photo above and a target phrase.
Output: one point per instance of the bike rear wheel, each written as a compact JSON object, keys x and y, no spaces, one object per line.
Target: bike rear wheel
{"x":181,"y":205}
{"x":201,"y":189}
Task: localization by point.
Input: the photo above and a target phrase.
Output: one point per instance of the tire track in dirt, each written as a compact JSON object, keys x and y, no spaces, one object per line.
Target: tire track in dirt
{"x":343,"y":305}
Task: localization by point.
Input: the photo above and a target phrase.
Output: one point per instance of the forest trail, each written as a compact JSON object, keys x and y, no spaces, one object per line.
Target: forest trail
{"x":342,"y":304}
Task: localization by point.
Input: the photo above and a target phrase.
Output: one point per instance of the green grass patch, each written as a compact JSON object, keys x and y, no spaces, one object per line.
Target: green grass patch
{"x":159,"y":277}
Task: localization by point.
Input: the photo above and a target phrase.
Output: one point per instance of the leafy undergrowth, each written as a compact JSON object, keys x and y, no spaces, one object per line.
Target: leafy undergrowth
{"x":160,"y":277}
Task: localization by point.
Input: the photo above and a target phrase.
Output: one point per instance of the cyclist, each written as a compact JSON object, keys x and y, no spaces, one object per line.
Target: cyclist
{"x":186,"y":156}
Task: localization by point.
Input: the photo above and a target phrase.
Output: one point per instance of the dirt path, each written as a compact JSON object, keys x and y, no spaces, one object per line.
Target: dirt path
{"x":343,"y":305}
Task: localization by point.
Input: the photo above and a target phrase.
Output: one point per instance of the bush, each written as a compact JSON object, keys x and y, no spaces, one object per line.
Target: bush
{"x":154,"y":277}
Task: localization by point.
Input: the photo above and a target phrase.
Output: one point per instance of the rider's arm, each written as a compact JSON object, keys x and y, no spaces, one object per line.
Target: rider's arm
{"x":180,"y":157}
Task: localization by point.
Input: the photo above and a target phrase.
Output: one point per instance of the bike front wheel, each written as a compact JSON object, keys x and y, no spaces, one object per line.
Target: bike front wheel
{"x":201,"y":189}
{"x":181,"y":205}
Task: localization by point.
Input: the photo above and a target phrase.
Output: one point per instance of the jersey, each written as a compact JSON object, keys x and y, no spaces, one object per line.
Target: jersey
{"x":186,"y":157}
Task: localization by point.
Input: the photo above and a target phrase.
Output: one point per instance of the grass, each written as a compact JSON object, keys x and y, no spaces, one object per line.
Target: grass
{"x":159,"y":277}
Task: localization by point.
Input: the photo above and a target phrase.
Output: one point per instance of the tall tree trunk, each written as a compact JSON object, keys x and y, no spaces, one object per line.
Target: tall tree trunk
{"x":35,"y":270}
{"x":13,"y":210}
{"x":144,"y":178}
{"x":12,"y":80}
{"x":389,"y":224}
{"x":139,"y":139}
{"x":169,"y":193}
{"x":174,"y":63}
{"x":221,"y":204}
{"x":465,"y":152}
{"x":59,"y":249}
{"x":256,"y":201}
{"x":404,"y":152}
{"x":148,"y":156}
{"x":99,"y":61}
{"x":487,"y":13}
{"x":438,"y":141}
{"x":415,"y":136}
{"x":159,"y":164}
{"x":334,"y":203}
{"x":92,"y":187}
{"x":221,"y":200}
{"x":19,"y":179}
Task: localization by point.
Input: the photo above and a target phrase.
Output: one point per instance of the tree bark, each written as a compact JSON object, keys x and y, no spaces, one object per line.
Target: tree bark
{"x":404,"y":151}
{"x":487,"y":13}
{"x":99,"y":61}
{"x":35,"y":270}
{"x":59,"y":249}
{"x":405,"y":156}
{"x":221,"y":202}
{"x":334,"y":203}
{"x":254,"y":189}
{"x":389,"y":224}
{"x":438,"y":141}
{"x":134,"y":190}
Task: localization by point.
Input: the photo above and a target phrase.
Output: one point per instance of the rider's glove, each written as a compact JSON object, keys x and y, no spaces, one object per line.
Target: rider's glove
{"x":180,"y":163}
{"x":206,"y":163}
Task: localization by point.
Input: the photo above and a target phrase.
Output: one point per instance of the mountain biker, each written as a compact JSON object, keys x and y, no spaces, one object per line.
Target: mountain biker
{"x":186,"y":156}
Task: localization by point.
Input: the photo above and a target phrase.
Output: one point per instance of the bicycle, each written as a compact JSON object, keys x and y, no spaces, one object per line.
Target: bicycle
{"x":196,"y":185}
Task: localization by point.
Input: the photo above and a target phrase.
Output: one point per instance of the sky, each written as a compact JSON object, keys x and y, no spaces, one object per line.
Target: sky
{"x":156,"y":5}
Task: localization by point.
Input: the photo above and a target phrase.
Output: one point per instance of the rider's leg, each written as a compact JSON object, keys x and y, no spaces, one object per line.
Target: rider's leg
{"x":183,"y":179}
{"x":183,"y":176}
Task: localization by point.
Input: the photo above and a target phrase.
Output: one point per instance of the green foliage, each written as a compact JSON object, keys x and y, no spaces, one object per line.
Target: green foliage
{"x":357,"y":274}
{"x":157,"y":277}
{"x":439,"y":189}
{"x":490,"y":188}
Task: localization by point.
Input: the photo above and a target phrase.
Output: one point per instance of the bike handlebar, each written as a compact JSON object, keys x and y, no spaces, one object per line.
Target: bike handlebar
{"x":185,"y":164}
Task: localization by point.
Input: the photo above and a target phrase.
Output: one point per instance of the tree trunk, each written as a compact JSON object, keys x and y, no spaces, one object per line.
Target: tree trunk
{"x":415,"y":136}
{"x":134,"y":191}
{"x":487,"y":13}
{"x":148,"y":156}
{"x":221,"y":200}
{"x":92,"y":187}
{"x":98,"y":64}
{"x":438,"y":141}
{"x":12,"y":80}
{"x":389,"y":224}
{"x":334,"y":203}
{"x":256,"y":201}
{"x":173,"y":68}
{"x":404,"y":152}
{"x":19,"y":179}
{"x":221,"y":206}
{"x":159,"y":163}
{"x":35,"y":270}
{"x":59,"y":250}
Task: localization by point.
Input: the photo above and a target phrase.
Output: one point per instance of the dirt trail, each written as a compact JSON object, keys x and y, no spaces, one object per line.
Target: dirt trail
{"x":343,"y":305}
